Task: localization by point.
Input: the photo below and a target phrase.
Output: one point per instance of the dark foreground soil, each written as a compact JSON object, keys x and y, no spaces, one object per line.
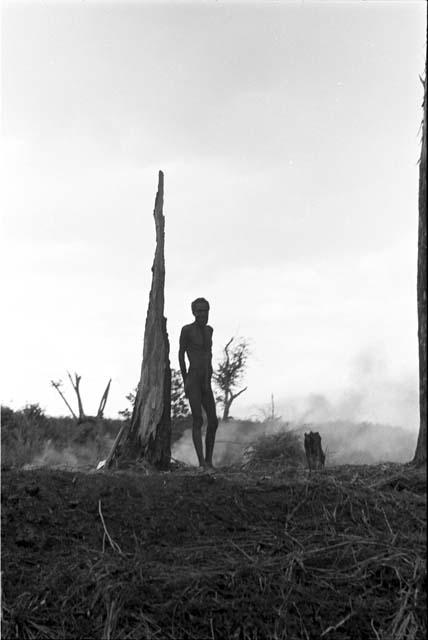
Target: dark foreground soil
{"x":239,"y":554}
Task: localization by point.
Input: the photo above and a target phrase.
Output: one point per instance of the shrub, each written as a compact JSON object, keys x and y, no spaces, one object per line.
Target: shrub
{"x":285,"y":447}
{"x":28,"y":436}
{"x":22,"y":435}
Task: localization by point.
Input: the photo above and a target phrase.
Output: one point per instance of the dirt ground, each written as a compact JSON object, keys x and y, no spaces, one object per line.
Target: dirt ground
{"x":261,"y":553}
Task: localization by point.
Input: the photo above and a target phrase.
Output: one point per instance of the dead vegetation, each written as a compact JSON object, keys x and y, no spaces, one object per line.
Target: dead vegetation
{"x":244,"y":555}
{"x":283,"y":449}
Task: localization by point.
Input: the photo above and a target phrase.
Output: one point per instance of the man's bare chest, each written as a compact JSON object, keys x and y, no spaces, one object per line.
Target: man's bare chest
{"x":199,"y":338}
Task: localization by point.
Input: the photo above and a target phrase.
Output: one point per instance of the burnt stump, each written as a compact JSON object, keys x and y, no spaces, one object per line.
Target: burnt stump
{"x":315,"y":456}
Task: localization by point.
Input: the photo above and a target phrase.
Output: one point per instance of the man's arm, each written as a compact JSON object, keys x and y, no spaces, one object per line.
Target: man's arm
{"x":181,"y":354}
{"x":210,"y":331}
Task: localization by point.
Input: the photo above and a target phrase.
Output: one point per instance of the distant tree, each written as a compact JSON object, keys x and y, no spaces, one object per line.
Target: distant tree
{"x":229,"y":373}
{"x":6,"y":415}
{"x":179,"y":404}
{"x":34,"y":412}
{"x":127,"y":412}
{"x":30,"y":415}
{"x":268,"y":413}
{"x":420,"y":456}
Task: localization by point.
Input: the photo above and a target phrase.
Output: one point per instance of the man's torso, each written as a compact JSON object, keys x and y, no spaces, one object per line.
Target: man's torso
{"x":197,"y":342}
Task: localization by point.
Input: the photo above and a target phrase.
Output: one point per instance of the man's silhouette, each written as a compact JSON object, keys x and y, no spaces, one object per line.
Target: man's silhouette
{"x":196,"y":342}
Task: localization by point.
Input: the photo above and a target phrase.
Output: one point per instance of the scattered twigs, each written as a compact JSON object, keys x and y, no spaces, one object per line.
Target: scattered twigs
{"x":110,"y":622}
{"x":113,"y":544}
{"x":338,"y":625}
{"x":375,"y":631}
{"x":387,"y":522}
{"x":244,"y":553}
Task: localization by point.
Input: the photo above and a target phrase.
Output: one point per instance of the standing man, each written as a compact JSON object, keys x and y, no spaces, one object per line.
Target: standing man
{"x":196,"y":342}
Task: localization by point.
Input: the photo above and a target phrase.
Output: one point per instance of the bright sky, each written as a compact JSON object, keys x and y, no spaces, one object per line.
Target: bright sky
{"x":288,"y":133}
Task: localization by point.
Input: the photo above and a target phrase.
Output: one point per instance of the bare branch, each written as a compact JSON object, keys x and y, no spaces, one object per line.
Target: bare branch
{"x":113,"y":544}
{"x":228,"y":345}
{"x":234,"y":396}
{"x":103,"y":401}
{"x":75,"y":386}
{"x":56,"y":385}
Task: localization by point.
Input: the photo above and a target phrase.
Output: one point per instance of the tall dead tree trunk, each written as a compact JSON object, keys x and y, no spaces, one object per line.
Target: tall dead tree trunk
{"x":421,"y":447}
{"x":149,"y":434}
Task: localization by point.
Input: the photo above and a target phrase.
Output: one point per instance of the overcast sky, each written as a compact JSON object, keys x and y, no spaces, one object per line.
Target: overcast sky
{"x":288,"y":133}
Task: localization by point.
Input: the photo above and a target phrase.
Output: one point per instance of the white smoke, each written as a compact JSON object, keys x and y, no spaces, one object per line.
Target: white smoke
{"x":72,"y":457}
{"x":53,"y":458}
{"x":343,"y":441}
{"x":232,"y":440}
{"x":347,"y":442}
{"x":373,"y":395}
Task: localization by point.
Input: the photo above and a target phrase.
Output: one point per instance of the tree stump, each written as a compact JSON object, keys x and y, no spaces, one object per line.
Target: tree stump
{"x":315,"y":456}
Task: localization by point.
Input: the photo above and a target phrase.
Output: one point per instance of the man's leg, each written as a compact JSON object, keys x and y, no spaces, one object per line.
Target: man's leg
{"x":194,"y":397}
{"x":208,"y":404}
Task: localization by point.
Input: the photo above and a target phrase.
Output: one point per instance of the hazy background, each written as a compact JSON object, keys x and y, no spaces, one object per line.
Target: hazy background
{"x":289,"y":137}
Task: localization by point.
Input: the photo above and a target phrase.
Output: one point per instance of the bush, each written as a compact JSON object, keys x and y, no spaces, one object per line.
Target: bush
{"x":28,"y":436}
{"x":285,"y":447}
{"x":22,"y":435}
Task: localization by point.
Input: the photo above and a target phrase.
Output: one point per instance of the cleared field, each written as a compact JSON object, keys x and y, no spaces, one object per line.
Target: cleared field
{"x":244,"y":554}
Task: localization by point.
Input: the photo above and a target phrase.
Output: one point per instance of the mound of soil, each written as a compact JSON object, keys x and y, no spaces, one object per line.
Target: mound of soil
{"x":237,"y":554}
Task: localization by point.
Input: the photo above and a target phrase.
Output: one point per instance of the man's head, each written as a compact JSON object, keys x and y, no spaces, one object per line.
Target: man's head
{"x":200,"y":309}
